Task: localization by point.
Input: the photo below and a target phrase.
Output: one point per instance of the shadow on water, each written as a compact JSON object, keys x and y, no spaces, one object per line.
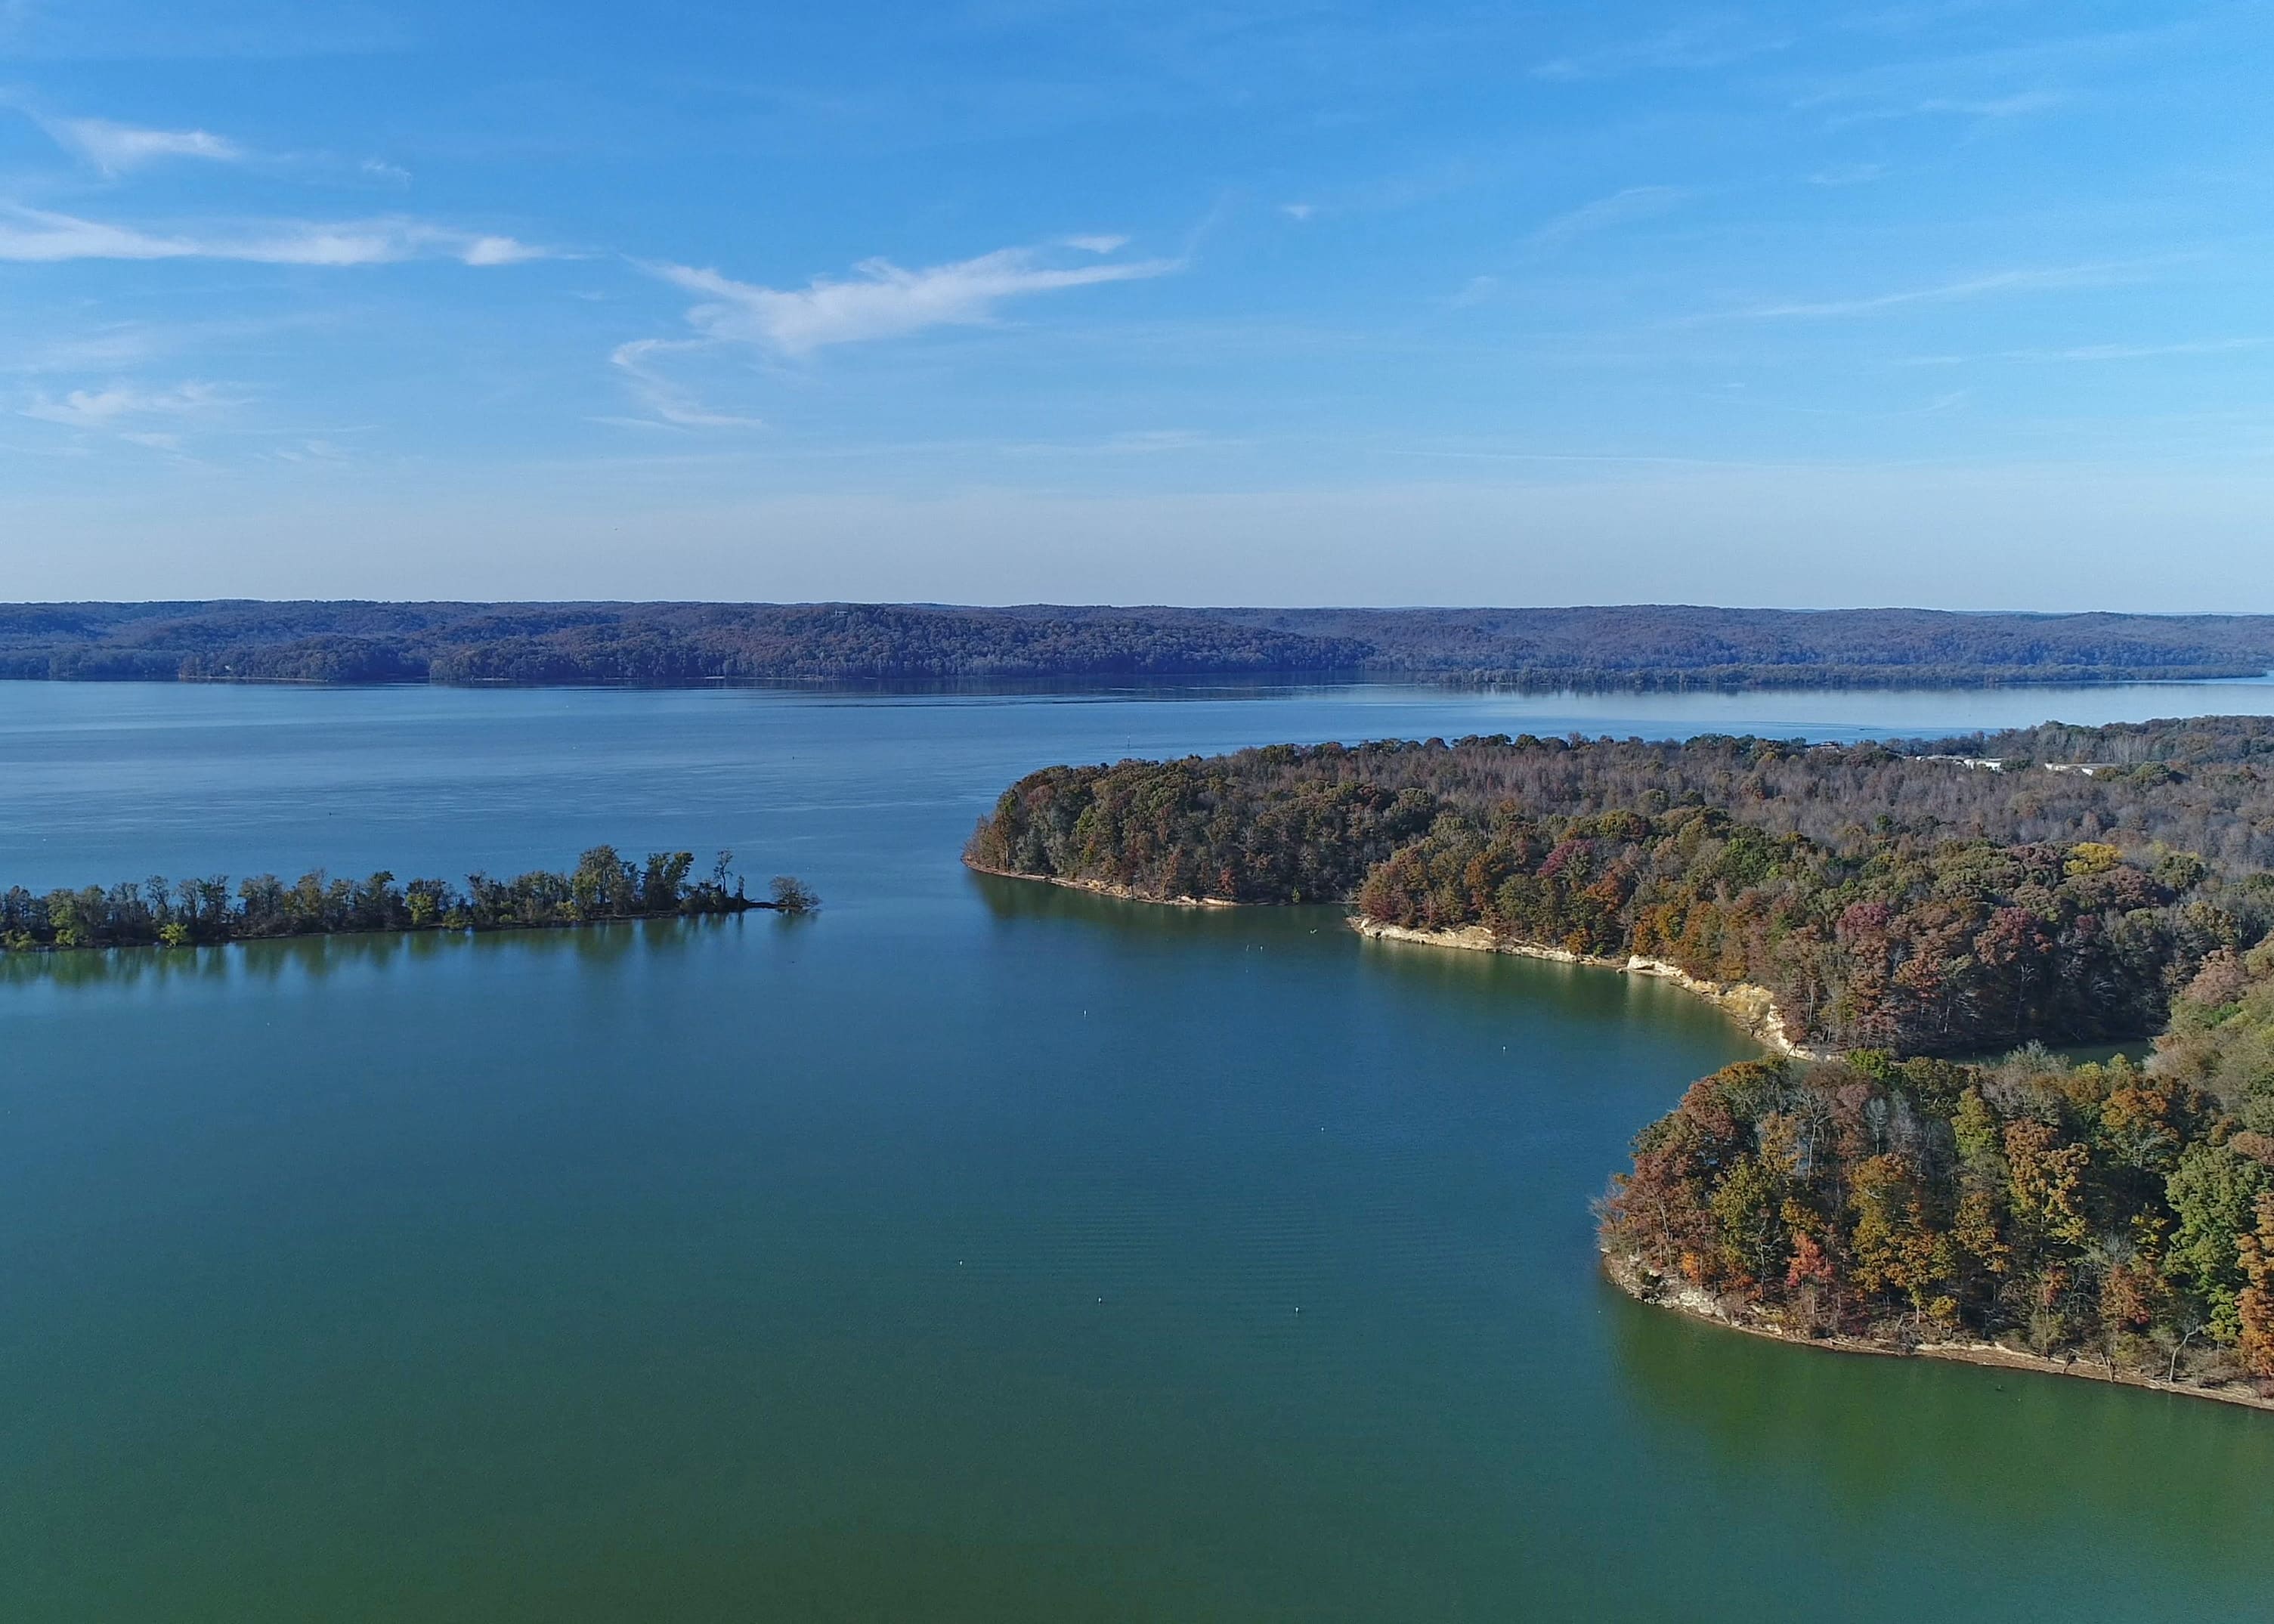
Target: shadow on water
{"x":317,"y":958}
{"x":2007,"y":1450}
{"x":1013,"y":900}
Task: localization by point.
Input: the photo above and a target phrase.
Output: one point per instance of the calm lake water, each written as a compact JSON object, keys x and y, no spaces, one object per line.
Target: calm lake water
{"x":973,"y":1250}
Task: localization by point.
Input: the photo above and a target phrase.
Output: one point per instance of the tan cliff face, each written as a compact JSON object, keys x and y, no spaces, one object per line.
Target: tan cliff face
{"x":1754,"y":1006}
{"x":1102,"y":888}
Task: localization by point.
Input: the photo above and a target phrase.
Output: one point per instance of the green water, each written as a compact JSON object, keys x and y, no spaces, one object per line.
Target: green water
{"x":972,"y":1250}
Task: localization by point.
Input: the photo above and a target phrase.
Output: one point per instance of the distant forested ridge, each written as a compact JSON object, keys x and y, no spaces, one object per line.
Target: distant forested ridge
{"x":1904,"y":904}
{"x":155,"y":913}
{"x":1886,"y":899}
{"x":684,"y":644}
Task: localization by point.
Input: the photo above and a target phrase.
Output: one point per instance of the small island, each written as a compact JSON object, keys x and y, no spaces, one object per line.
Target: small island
{"x":1882,"y":915}
{"x":602,"y":888}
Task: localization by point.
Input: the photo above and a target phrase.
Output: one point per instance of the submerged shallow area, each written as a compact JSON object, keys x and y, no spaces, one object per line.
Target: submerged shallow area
{"x":938,"y":1257}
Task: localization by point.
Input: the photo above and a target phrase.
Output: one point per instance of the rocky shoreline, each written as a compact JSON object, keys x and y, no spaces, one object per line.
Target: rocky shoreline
{"x":1753,"y":1006}
{"x":1684,"y":1298}
{"x":1100,"y":888}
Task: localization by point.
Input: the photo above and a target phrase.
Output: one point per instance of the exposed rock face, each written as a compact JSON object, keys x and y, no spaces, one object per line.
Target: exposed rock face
{"x":1754,"y":1006}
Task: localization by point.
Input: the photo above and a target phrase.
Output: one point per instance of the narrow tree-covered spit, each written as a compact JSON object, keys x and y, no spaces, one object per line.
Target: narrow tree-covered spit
{"x":601,"y":887}
{"x":1907,"y":907}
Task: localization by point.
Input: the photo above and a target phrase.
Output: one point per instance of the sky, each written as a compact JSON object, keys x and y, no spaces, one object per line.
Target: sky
{"x":1965,"y":303}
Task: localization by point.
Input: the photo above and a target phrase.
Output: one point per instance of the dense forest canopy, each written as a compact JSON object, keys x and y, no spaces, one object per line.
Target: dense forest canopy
{"x":1887,"y":897}
{"x":155,"y":913}
{"x":2118,"y":1212}
{"x":686,"y":644}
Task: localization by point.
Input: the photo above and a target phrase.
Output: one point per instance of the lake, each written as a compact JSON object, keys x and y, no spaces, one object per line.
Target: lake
{"x":972,"y":1250}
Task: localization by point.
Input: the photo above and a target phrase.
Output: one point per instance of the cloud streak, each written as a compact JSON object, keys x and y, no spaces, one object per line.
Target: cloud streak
{"x":1633,"y":203}
{"x":1713,"y":44}
{"x":883,"y":300}
{"x":91,"y":409}
{"x":1942,"y":293}
{"x":38,"y":236}
{"x":672,"y":405}
{"x":115,"y":148}
{"x":130,"y":414}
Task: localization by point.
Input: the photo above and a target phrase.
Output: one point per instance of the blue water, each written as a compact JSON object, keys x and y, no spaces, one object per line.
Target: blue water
{"x":973,"y":1250}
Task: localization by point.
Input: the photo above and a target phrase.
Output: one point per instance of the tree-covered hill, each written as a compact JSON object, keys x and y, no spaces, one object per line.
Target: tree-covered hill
{"x":1898,"y":902}
{"x":1886,"y":898}
{"x":2110,"y":1212}
{"x":679,"y":644}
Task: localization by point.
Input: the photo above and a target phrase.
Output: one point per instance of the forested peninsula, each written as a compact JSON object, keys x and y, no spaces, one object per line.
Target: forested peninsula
{"x":687,"y":645}
{"x":1906,"y":905}
{"x":601,"y":887}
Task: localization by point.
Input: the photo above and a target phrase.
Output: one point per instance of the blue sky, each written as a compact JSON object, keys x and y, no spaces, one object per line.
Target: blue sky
{"x":1961,"y":302}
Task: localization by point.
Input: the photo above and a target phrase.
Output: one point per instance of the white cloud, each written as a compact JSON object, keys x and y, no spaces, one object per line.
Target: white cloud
{"x":499,"y":250}
{"x":1299,"y":211}
{"x":37,"y":235}
{"x":115,"y":148}
{"x":886,"y":301}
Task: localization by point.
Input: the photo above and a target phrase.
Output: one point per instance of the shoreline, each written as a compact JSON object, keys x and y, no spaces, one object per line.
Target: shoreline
{"x":1100,"y":888}
{"x":1753,"y":1006}
{"x":734,"y":909}
{"x":1696,"y":1304}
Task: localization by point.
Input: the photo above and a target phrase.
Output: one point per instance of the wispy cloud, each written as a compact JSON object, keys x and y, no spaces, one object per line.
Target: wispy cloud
{"x":1940,"y":293}
{"x":1633,"y":203}
{"x":2018,"y":104}
{"x":37,"y":235}
{"x":2136,"y":352}
{"x":1477,"y":291}
{"x":1847,"y":173}
{"x":1133,"y":442}
{"x":671,"y":404}
{"x":886,"y":301}
{"x":1711,"y":44}
{"x":882,"y":301}
{"x":2009,"y":82}
{"x":2087,"y":353}
{"x":113,"y":348}
{"x":115,"y":148}
{"x":137,"y":414}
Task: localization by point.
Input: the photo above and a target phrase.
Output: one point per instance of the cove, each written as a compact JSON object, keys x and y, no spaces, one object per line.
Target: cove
{"x":938,"y":1257}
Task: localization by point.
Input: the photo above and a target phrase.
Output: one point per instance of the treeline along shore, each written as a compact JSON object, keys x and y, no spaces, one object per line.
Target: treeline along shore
{"x":1899,"y":907}
{"x":687,"y":645}
{"x":602,"y":887}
